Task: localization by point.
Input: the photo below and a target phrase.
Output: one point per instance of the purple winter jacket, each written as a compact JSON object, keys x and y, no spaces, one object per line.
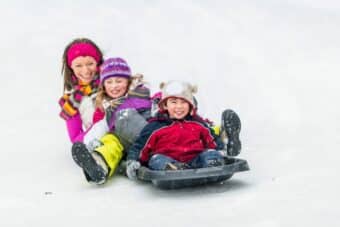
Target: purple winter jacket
{"x":139,"y":104}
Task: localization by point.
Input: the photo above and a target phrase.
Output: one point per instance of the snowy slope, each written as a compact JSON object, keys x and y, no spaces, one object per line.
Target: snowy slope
{"x":274,"y":62}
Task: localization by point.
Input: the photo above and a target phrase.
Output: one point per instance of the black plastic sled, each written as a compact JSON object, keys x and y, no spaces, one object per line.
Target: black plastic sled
{"x":173,"y":179}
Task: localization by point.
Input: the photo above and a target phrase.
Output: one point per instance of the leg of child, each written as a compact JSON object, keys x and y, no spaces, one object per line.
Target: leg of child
{"x":93,"y":165}
{"x":111,"y":151}
{"x":163,"y":162}
{"x":100,"y":164}
{"x":229,"y":132}
{"x":207,"y":158}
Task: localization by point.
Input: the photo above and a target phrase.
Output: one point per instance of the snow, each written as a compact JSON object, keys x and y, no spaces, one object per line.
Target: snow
{"x":274,"y":62}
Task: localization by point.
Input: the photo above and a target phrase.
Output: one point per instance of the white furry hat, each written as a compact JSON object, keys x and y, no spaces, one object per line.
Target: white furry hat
{"x":177,"y":89}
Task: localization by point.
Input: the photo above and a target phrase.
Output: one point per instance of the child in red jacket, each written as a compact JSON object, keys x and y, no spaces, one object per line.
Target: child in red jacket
{"x":176,"y":138}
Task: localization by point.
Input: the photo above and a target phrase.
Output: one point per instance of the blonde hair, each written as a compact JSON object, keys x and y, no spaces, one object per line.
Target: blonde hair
{"x":133,"y":82}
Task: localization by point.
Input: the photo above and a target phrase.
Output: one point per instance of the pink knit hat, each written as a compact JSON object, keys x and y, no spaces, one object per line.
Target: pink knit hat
{"x":82,"y":49}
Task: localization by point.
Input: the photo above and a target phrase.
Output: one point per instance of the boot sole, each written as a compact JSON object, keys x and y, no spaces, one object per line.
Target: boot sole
{"x":232,"y":126}
{"x":84,"y":159}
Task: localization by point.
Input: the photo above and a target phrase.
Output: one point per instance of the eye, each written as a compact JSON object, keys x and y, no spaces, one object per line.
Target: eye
{"x":108,"y":81}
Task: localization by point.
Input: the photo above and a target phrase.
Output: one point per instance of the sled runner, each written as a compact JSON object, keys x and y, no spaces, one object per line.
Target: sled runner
{"x":171,"y":179}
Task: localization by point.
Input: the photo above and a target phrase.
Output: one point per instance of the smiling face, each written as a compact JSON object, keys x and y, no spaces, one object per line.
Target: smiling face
{"x":84,"y":68}
{"x":177,"y":108}
{"x":116,"y":87}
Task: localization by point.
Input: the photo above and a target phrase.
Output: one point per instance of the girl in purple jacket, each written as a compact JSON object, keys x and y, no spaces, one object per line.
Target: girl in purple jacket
{"x":123,"y":105}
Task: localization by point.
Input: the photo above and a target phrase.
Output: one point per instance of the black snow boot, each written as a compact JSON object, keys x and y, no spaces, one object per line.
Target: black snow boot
{"x":230,"y":130}
{"x":92,"y":163}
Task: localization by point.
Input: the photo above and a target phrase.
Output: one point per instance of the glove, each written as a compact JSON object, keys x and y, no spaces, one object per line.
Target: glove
{"x":94,"y":144}
{"x":131,"y":169}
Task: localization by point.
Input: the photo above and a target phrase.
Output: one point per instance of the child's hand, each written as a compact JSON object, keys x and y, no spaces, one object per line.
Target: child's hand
{"x":131,"y":169}
{"x":94,"y":144}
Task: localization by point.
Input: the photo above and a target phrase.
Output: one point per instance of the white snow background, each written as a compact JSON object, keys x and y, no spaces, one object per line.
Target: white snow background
{"x":275,"y":62}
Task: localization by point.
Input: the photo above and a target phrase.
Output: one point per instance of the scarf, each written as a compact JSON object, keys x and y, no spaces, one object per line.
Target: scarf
{"x":71,"y":100}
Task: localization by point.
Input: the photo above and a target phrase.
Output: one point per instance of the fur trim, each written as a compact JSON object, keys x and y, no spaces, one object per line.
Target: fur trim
{"x":177,"y":89}
{"x":86,"y":110}
{"x":136,"y":81}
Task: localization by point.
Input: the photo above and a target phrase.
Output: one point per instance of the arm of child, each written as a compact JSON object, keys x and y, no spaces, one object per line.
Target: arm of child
{"x":131,"y":169}
{"x":95,"y":132}
{"x":142,"y":145}
{"x":133,"y":154}
{"x":137,"y":152}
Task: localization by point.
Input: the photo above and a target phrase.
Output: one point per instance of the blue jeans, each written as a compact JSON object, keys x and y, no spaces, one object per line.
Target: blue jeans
{"x":159,"y":161}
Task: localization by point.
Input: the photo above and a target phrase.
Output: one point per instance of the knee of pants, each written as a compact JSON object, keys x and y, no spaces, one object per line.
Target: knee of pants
{"x":211,"y":154}
{"x":159,"y":161}
{"x":111,"y":151}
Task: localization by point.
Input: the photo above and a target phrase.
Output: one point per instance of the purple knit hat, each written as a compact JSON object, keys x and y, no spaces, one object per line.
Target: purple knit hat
{"x":112,"y":67}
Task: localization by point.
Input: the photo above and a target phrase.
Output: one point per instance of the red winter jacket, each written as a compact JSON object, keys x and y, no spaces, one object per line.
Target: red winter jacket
{"x":182,"y":140}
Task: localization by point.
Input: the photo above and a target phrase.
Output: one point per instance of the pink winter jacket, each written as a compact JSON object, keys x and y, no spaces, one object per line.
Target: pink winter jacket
{"x":75,"y":126}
